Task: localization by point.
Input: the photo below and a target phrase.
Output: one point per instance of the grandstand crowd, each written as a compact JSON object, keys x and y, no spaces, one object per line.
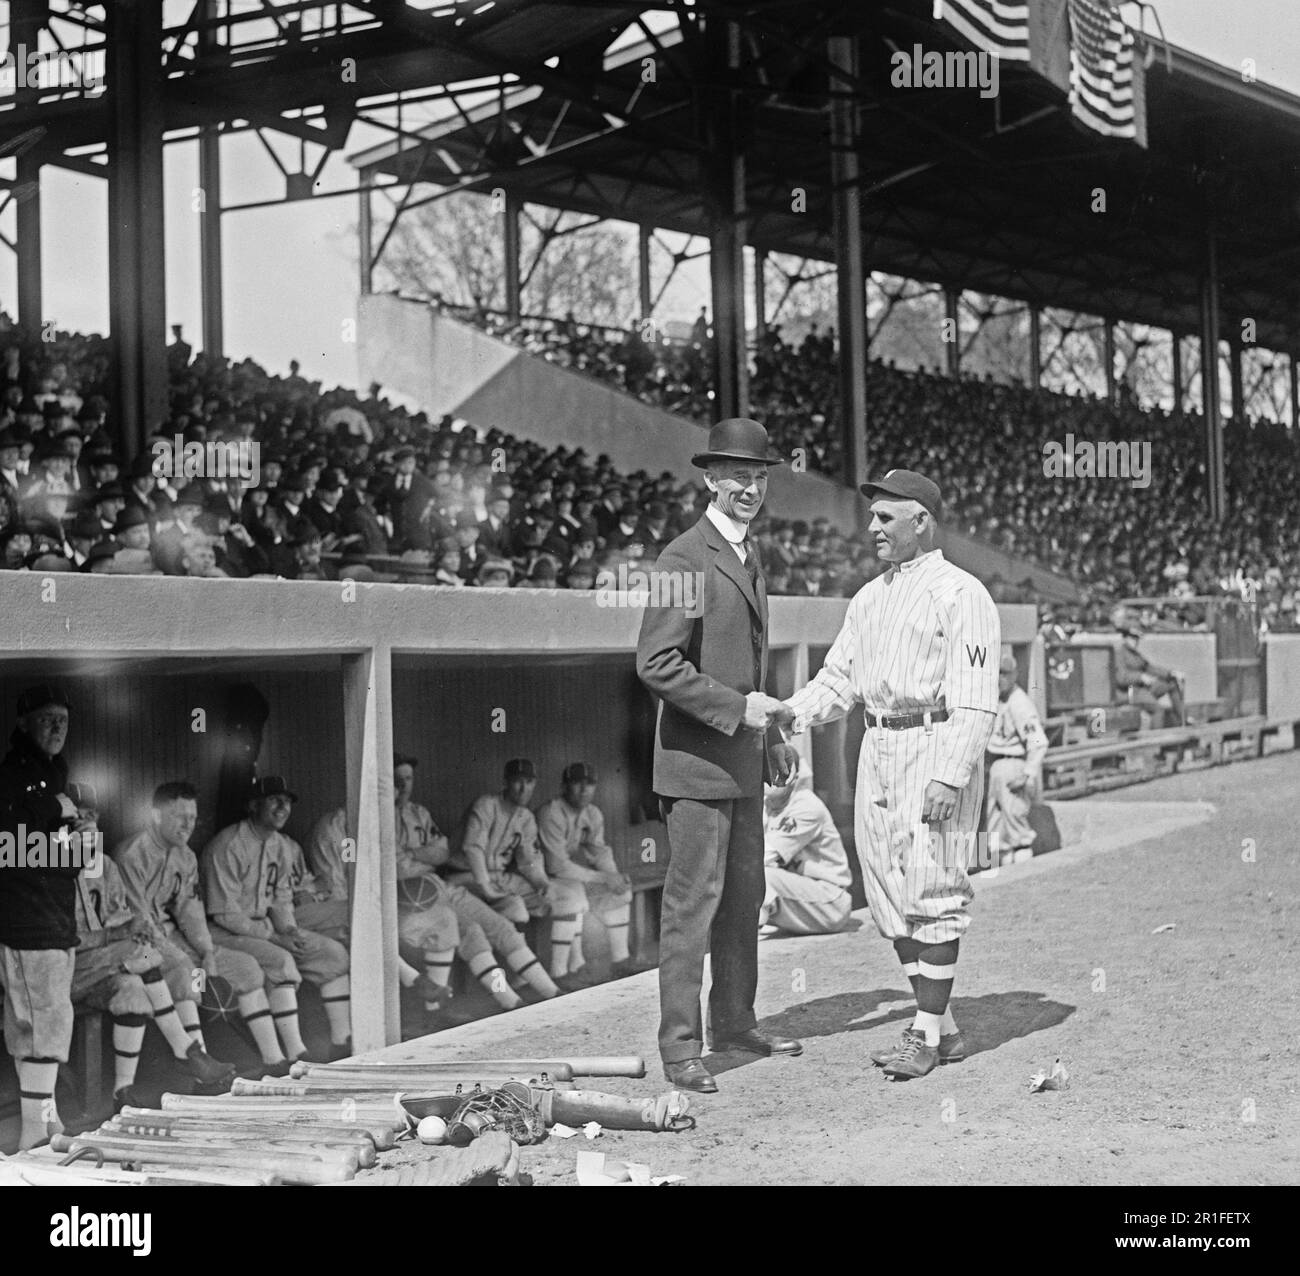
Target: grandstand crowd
{"x":349,"y":482}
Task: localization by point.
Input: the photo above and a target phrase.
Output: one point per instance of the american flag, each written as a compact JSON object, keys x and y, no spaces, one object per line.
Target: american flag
{"x":990,"y":24}
{"x":1101,"y":69}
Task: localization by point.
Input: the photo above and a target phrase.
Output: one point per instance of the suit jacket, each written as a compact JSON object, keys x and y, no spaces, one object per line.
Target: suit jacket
{"x":701,"y":667}
{"x":405,"y":508}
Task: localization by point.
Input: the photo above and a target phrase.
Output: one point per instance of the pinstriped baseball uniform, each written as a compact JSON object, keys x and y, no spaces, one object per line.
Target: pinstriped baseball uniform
{"x":923,"y":635}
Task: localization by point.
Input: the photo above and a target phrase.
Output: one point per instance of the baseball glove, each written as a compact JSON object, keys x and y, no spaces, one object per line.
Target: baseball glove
{"x":509,"y":1109}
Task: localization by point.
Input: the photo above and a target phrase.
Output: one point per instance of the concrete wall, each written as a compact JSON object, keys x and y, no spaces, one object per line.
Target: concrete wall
{"x":1193,"y":654}
{"x":448,"y":366}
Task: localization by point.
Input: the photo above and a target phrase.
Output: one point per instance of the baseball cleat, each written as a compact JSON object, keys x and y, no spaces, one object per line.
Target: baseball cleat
{"x":204,"y":1068}
{"x":915,"y":1059}
{"x":952,"y":1049}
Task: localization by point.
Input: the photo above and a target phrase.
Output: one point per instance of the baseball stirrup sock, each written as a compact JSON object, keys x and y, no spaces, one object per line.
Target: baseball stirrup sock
{"x":128,"y":1037}
{"x":256,"y":1013}
{"x":617,"y":922}
{"x":909,"y":954}
{"x":284,"y":1011}
{"x":336,"y":996}
{"x":563,"y":931}
{"x":484,"y":968}
{"x":36,"y":1078}
{"x":188,"y":1013}
{"x":526,"y":965}
{"x":437,"y":966}
{"x":164,"y":1013}
{"x":936,"y":968}
{"x":406,"y":973}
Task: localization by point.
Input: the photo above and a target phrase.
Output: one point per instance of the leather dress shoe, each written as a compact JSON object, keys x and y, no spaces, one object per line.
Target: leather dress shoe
{"x":753,"y":1042}
{"x":690,"y":1074}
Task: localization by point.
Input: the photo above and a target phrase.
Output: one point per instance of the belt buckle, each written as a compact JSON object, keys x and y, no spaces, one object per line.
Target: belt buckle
{"x":927,"y":721}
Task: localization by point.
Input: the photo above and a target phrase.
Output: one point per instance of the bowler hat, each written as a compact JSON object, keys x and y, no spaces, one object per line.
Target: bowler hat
{"x":132,"y":516}
{"x":907,"y":485}
{"x":736,"y":439}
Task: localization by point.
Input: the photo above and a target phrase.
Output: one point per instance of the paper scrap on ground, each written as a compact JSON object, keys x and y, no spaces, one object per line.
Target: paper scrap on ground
{"x":561,"y":1131}
{"x":1057,"y":1079}
{"x":596,"y":1170}
{"x":1160,"y":930}
{"x":592,"y":1130}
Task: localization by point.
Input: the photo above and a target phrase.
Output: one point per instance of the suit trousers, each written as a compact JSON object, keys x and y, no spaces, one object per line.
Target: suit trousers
{"x":712,"y":896}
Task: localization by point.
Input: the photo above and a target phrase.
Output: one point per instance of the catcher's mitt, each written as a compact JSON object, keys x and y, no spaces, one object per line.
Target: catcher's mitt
{"x":508,"y":1108}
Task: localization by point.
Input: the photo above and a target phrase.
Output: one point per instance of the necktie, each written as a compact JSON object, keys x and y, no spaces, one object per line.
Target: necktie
{"x":751,"y":564}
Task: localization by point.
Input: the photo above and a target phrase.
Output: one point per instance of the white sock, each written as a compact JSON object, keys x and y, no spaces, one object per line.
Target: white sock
{"x":484,"y":968}
{"x":437,"y":966}
{"x":928,"y":1025}
{"x":188,"y":1013}
{"x":284,"y":1010}
{"x":563,"y":932}
{"x":256,"y":1013}
{"x":165,"y":1016}
{"x":337,"y":999}
{"x":127,"y":1040}
{"x":406,"y":973}
{"x":529,"y":969}
{"x":948,"y":1025}
{"x":617,"y":923}
{"x":36,"y":1078}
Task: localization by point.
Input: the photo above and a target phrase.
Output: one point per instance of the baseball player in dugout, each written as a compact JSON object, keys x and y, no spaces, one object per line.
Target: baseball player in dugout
{"x":248,"y":884}
{"x":715,"y":745}
{"x":917,"y":651}
{"x":1016,"y":751}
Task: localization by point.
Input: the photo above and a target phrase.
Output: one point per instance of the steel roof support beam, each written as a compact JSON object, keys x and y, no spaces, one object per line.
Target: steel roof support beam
{"x":24,"y":30}
{"x":850,"y":270}
{"x":1216,"y":494}
{"x":138,"y":304}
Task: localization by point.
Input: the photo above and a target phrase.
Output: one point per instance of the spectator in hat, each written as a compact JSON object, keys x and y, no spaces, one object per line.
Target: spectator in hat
{"x":38,"y":929}
{"x":324,"y":512}
{"x":608,"y":511}
{"x":12,"y":481}
{"x":542,"y":575}
{"x":133,"y":556}
{"x":15,"y":546}
{"x":626,"y":528}
{"x":100,"y":469}
{"x":105,"y":505}
{"x":447,"y":564}
{"x":169,"y":538}
{"x":494,"y":531}
{"x":405,"y":501}
{"x":581,"y":575}
{"x":99,"y":562}
{"x":142,"y":490}
{"x":290,"y":497}
{"x":307,"y":548}
{"x":652,"y":530}
{"x":496,"y":573}
{"x":84,"y":532}
{"x":362,"y":525}
{"x":472,"y":554}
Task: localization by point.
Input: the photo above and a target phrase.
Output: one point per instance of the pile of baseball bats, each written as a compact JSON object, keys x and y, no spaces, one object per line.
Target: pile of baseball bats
{"x":327,"y":1123}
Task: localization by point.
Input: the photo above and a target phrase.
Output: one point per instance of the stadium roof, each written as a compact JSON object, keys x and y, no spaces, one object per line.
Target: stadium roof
{"x":991,"y":194}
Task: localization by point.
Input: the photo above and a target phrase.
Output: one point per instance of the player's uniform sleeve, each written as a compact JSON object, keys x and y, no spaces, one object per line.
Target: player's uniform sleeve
{"x":662,"y":666}
{"x":552,"y":834}
{"x":833,"y":692}
{"x":116,"y":909}
{"x":973,"y":630}
{"x":325,"y":853}
{"x":528,"y":858}
{"x":186,"y":907}
{"x":788,"y":835}
{"x":474,"y":844}
{"x":1030,"y":729}
{"x":287,"y":867}
{"x":223,"y":887}
{"x":130,"y":871}
{"x":407,"y":865}
{"x":600,"y":852}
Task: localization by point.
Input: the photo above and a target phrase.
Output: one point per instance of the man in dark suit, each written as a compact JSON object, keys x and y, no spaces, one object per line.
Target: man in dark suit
{"x":405,"y":500}
{"x":706,"y":661}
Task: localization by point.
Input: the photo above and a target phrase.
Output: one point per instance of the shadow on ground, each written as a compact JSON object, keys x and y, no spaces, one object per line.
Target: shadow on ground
{"x":987,"y":1022}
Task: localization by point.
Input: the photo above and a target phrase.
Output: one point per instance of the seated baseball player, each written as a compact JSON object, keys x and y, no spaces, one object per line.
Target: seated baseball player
{"x":422,"y":849}
{"x":161,"y":876}
{"x":322,"y":902}
{"x":804,"y":861}
{"x":1015,"y":753}
{"x":118,"y":969}
{"x":498,"y":859}
{"x":584,"y":877}
{"x":247,"y":882}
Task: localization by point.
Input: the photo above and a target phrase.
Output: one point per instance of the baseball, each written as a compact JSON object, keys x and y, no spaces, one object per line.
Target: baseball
{"x":432,"y":1129}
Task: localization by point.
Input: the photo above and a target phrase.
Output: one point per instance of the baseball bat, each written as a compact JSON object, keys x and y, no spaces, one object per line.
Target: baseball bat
{"x":341,"y":1087}
{"x":309,"y":1125}
{"x":48,"y":1164}
{"x":578,"y":1065}
{"x":261,"y":1134}
{"x":408,"y":1078}
{"x":297,"y":1168}
{"x":372,"y":1112}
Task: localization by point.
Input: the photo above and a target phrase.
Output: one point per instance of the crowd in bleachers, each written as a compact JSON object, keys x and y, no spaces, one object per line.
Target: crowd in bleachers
{"x":347,"y":481}
{"x":985,"y":440}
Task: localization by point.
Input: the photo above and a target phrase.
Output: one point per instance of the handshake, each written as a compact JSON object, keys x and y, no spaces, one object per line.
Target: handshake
{"x":761,"y":711}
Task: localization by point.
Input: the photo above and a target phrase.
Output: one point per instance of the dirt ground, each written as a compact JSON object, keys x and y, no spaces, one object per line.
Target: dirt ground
{"x":1181,"y":1046}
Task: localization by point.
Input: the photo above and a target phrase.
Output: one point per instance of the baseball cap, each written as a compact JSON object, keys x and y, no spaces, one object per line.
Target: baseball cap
{"x":518,"y":768}
{"x":907,"y":485}
{"x":271,"y":786}
{"x":39,"y":696}
{"x":578,"y":773}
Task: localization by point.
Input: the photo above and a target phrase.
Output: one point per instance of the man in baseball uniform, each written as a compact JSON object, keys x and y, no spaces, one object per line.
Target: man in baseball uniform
{"x":804,"y":861}
{"x":119,"y":969}
{"x":918,"y":650}
{"x":247,"y":880}
{"x":422,"y":850}
{"x":498,"y":858}
{"x":161,"y":876}
{"x":1016,"y":751}
{"x":584,"y":876}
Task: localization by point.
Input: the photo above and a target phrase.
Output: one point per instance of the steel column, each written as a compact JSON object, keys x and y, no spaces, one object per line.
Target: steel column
{"x":1236,"y":382}
{"x":213,"y":297}
{"x":1178,"y":370}
{"x":1295,"y":394}
{"x":510,"y":247}
{"x":366,"y":232}
{"x":24,"y":36}
{"x":1108,"y":345}
{"x":951,"y":314}
{"x":138,"y":301}
{"x":722,"y":173}
{"x":1216,"y":494}
{"x":644,"y":286}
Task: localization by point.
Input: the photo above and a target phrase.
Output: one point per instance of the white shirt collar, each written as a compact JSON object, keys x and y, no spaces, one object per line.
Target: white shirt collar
{"x":735,"y":533}
{"x":930,"y":556}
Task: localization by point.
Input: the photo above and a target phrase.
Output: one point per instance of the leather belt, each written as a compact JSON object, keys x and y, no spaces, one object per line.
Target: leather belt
{"x":901,"y":721}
